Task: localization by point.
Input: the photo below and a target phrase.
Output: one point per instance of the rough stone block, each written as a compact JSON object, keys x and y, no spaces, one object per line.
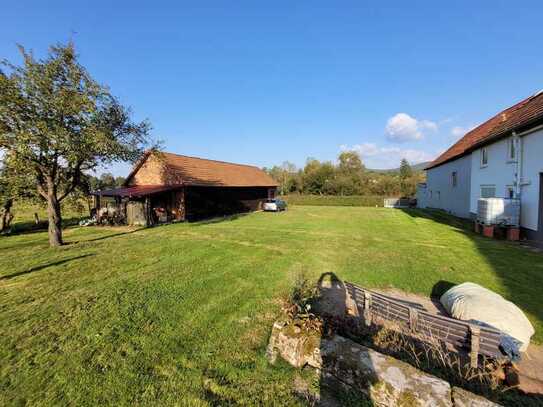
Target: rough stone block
{"x":384,"y":380}
{"x":387,"y":381}
{"x":464,"y":398}
{"x":297,"y":346}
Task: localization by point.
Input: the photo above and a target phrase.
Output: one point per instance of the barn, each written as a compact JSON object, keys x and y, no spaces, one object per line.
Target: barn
{"x":165,"y":187}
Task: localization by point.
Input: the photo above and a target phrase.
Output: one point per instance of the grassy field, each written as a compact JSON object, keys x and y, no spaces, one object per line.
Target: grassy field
{"x":181,"y":314}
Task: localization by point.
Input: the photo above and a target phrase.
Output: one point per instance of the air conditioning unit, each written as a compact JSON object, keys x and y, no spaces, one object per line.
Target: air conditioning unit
{"x":499,"y":211}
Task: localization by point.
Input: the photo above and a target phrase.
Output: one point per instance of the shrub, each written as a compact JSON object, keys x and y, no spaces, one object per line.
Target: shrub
{"x":334,"y":200}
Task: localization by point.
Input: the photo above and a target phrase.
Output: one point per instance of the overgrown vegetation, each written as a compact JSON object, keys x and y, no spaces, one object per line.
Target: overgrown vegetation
{"x":298,"y":304}
{"x":346,"y":178}
{"x":181,"y":314}
{"x":432,"y":355}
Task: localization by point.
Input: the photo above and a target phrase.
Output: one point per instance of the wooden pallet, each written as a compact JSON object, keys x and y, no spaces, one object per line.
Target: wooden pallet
{"x":375,"y":308}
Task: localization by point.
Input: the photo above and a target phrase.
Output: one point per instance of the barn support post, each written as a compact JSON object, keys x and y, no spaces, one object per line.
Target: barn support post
{"x":182,"y":204}
{"x":147,"y":209}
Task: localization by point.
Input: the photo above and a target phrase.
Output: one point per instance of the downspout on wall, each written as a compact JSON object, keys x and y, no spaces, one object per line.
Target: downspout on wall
{"x":519,"y":146}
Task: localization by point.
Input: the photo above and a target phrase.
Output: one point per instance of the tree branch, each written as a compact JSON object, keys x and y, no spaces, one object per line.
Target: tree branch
{"x":74,"y":182}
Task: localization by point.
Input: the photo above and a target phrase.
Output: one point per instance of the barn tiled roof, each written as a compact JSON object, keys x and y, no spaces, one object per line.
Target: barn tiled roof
{"x":185,"y":170}
{"x":522,"y":114}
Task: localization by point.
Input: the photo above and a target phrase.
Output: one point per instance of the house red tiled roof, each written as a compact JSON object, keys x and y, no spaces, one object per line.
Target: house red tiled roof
{"x":522,"y":114}
{"x":184,"y":170}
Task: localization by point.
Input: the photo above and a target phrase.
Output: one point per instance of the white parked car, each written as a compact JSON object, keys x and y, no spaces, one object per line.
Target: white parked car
{"x":274,"y":205}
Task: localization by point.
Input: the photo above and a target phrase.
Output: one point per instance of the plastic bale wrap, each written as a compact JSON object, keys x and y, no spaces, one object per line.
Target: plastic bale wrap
{"x":473,"y":303}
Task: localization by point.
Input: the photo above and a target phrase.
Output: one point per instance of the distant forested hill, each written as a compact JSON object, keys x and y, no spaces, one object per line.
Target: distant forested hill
{"x":415,"y":167}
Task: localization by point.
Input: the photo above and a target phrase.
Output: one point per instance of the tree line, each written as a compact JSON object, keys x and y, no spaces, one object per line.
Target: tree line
{"x":347,"y":177}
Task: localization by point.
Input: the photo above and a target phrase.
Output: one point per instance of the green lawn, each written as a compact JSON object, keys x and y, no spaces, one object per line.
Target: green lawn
{"x":180,"y":314}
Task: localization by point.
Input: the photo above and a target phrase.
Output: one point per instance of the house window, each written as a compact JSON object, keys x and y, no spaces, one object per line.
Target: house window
{"x":488,"y":191}
{"x":454,"y":177}
{"x":511,"y":150}
{"x":484,"y":157}
{"x":509,"y":191}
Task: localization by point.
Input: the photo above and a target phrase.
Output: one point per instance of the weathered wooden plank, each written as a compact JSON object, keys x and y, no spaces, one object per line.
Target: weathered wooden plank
{"x":474,"y":346}
{"x":459,"y":334}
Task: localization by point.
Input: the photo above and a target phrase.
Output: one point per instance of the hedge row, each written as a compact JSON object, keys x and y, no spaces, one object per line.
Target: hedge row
{"x":334,"y":200}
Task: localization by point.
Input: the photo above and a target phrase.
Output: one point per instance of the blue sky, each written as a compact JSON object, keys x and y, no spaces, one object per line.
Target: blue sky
{"x":263,"y":82}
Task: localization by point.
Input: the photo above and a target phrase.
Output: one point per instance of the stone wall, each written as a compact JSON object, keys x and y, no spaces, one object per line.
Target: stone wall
{"x":383,"y":379}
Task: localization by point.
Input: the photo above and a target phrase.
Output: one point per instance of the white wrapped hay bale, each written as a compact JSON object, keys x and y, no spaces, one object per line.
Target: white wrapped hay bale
{"x":473,"y":303}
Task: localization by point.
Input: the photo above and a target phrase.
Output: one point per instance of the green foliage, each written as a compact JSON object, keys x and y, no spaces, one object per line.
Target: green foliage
{"x":287,"y":177}
{"x":104,"y":181}
{"x":318,"y":177}
{"x":405,"y":169}
{"x":56,"y":123}
{"x":407,"y":187}
{"x":333,"y":200}
{"x":349,"y":177}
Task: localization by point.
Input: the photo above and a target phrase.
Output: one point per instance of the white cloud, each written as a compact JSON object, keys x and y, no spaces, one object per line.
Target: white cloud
{"x":378,"y":157}
{"x":458,"y":131}
{"x":401,"y":128}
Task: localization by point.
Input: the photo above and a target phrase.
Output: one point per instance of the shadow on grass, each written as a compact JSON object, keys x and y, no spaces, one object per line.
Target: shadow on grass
{"x":105,"y":237}
{"x":23,"y":228}
{"x":44,"y":266}
{"x":218,"y":219}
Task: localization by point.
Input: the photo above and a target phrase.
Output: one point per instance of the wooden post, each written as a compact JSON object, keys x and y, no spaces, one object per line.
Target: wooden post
{"x":352,"y":308}
{"x":182,"y":205}
{"x":148,"y":219}
{"x":367,"y":308}
{"x":413,"y":319}
{"x":475,"y":333}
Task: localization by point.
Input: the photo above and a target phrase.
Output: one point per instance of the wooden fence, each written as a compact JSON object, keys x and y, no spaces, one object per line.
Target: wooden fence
{"x":474,"y":339}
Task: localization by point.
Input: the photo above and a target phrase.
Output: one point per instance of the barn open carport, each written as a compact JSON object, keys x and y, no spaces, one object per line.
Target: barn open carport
{"x":141,"y":204}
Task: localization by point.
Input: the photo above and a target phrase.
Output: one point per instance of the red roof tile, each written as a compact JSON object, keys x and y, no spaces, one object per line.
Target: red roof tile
{"x":184,"y":170}
{"x":512,"y":118}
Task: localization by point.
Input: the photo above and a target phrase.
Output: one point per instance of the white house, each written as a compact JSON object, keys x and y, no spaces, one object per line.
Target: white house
{"x":502,"y":157}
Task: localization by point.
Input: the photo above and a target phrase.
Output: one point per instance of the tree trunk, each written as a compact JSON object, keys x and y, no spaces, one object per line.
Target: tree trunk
{"x":6,"y":215}
{"x":55,"y":221}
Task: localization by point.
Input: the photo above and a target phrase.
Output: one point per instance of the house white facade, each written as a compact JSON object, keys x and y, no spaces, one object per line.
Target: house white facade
{"x":448,"y":187}
{"x":501,"y":158}
{"x":513,"y":169}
